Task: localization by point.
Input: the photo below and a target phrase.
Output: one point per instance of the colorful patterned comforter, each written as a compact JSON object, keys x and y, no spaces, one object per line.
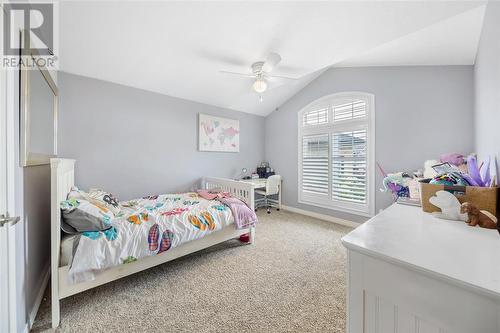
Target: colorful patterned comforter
{"x":146,"y":227}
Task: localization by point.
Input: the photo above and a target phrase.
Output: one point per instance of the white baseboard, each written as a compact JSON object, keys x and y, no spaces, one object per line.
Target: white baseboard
{"x":39,"y":298}
{"x":319,"y":216}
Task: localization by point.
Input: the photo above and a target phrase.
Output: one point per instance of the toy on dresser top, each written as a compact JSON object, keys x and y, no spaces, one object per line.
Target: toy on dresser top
{"x":451,"y":209}
{"x":483,"y":218}
{"x":405,"y":185}
{"x":469,"y":186}
{"x":463,"y":176}
{"x":454,"y":169}
{"x":402,"y":185}
{"x":449,"y":205}
{"x":456,"y":160}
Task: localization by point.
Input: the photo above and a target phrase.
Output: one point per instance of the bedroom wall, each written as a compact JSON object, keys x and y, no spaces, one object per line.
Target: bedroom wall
{"x":421,"y":112}
{"x":487,"y":85}
{"x":36,"y":194}
{"x":134,"y":142}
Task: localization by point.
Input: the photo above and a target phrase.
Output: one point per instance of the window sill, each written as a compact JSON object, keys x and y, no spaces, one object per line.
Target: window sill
{"x":336,"y":208}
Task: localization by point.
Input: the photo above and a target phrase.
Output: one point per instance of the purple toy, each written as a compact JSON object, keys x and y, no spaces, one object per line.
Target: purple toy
{"x":455,"y":159}
{"x":480,"y":175}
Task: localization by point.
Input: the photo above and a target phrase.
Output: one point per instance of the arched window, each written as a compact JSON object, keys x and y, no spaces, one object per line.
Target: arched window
{"x":337,"y":153}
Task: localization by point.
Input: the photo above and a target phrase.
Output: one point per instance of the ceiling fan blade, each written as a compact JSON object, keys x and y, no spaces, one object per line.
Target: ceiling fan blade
{"x":237,"y":74}
{"x":272,"y":60}
{"x":281,"y":80}
{"x":279,"y":77}
{"x":274,"y":85}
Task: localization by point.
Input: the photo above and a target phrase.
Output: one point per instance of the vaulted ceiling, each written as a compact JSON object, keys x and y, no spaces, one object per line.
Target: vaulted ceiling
{"x":178,"y":48}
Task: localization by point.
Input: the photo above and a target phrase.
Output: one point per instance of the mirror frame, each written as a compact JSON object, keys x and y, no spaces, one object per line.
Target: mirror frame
{"x":28,"y":158}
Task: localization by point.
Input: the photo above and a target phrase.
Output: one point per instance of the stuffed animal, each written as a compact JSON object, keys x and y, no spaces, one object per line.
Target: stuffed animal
{"x":397,"y":183}
{"x":482,"y":218}
{"x":429,"y":172}
{"x":449,"y":205}
{"x":398,"y":178}
{"x":455,"y":159}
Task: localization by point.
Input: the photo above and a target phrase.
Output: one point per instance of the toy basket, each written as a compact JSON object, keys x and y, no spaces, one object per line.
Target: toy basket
{"x":485,"y":198}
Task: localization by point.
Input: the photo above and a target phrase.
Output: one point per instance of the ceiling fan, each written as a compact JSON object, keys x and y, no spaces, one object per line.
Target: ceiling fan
{"x":261,"y":74}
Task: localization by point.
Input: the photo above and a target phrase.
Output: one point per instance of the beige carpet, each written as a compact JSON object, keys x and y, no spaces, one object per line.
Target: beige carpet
{"x":292,"y":280}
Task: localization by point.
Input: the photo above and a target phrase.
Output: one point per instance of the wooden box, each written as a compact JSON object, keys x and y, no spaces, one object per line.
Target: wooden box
{"x":485,"y":198}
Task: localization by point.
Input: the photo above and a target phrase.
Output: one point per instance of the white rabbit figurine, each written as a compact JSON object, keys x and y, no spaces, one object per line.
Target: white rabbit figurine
{"x":450,"y":206}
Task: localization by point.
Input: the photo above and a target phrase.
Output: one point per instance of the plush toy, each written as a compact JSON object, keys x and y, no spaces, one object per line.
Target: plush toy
{"x":455,"y":159}
{"x":429,"y":172}
{"x":482,"y":218}
{"x":397,"y":183}
{"x":449,"y":205}
{"x":399,"y":178}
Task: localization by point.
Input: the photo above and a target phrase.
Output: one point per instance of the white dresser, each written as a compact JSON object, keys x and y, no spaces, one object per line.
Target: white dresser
{"x":412,"y":272}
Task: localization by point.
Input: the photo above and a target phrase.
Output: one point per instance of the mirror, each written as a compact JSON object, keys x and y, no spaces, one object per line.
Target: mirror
{"x":39,"y":98}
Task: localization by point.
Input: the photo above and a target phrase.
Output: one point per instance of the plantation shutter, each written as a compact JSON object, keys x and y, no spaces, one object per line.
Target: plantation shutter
{"x":349,"y":166}
{"x":317,"y":116}
{"x":315,"y":149}
{"x":348,"y":111}
{"x":335,"y":153}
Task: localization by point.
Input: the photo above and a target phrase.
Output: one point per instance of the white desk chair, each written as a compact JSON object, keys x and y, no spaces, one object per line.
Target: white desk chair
{"x":273,"y":184}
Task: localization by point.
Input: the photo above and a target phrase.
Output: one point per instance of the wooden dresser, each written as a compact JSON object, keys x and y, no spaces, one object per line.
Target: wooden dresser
{"x":411,"y":272}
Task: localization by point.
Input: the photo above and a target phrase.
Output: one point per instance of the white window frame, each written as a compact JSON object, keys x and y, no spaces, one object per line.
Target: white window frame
{"x":368,"y":123}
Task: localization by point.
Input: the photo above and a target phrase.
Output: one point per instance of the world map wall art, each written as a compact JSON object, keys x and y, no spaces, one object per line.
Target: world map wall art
{"x":218,"y":134}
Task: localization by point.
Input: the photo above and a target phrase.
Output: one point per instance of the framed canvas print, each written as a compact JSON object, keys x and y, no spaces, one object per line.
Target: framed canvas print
{"x":218,"y":134}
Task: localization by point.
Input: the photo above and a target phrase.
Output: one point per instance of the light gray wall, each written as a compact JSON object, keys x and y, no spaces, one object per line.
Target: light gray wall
{"x":487,"y":85}
{"x":37,"y":231}
{"x":421,"y":112}
{"x":133,"y":142}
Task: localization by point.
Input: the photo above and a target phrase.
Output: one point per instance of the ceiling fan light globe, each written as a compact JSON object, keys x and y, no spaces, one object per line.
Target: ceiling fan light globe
{"x":259,"y":86}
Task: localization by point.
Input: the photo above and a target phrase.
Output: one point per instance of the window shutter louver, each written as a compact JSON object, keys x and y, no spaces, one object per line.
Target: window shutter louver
{"x":349,"y":166}
{"x":315,"y":151}
{"x":317,"y":116}
{"x":348,"y":111}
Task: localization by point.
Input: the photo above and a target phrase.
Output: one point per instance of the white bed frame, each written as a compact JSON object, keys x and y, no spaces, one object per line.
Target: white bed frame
{"x":62,"y":179}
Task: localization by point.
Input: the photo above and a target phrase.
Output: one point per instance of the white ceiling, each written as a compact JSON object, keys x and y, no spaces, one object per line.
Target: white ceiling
{"x":453,"y":41}
{"x":177,"y":48}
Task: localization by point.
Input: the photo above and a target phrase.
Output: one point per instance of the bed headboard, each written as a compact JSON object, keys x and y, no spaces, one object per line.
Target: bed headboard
{"x":62,"y":178}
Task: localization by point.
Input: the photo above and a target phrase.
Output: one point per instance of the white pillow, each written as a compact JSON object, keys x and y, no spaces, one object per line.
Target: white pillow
{"x":97,"y":197}
{"x":80,"y":215}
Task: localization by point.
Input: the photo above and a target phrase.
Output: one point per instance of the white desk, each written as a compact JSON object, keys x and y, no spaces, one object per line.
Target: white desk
{"x":412,"y":272}
{"x":261,"y":183}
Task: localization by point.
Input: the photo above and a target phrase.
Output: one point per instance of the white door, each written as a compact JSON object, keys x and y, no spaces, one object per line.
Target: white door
{"x":8,"y":303}
{"x":7,"y":222}
{"x":7,"y":237}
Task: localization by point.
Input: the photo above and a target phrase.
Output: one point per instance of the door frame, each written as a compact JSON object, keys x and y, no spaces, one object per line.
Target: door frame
{"x":8,"y":165}
{"x":5,"y":312}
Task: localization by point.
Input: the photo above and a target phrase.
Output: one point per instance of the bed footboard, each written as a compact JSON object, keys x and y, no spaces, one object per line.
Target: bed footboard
{"x":241,"y":190}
